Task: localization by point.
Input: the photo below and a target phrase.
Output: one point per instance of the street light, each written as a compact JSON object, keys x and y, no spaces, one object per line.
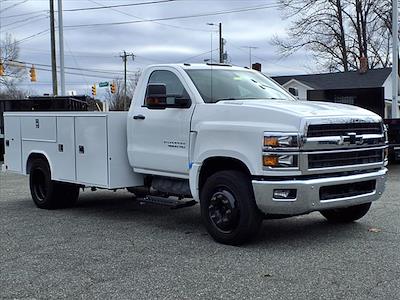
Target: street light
{"x":211,"y":41}
{"x":221,"y":42}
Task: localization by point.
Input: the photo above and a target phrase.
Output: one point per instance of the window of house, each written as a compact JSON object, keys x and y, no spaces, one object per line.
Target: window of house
{"x":294,"y":91}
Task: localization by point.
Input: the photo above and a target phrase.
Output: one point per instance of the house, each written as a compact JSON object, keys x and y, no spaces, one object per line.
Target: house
{"x":371,"y":89}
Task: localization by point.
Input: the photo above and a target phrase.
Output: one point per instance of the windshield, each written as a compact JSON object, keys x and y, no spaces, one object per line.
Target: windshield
{"x":217,"y":85}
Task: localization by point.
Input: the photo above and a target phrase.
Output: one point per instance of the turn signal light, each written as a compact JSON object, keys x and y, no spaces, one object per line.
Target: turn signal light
{"x":271,"y":141}
{"x":270,"y":160}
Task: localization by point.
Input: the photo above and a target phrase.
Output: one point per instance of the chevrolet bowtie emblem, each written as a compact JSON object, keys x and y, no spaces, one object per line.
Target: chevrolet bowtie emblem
{"x":351,"y":138}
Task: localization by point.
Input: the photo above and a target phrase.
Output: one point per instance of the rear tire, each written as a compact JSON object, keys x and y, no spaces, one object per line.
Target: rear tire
{"x":47,"y":193}
{"x":347,"y":214}
{"x":228,"y":208}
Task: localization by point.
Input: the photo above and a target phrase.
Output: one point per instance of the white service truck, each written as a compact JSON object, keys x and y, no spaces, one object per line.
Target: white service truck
{"x":227,"y":137}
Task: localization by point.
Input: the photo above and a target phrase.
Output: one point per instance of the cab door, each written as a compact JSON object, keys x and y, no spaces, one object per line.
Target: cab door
{"x":160,"y":137}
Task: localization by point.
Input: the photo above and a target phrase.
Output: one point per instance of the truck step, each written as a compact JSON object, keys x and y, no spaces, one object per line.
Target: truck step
{"x":172,"y":203}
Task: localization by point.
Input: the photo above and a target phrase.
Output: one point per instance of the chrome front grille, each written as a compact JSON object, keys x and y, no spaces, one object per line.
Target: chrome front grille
{"x":342,"y":146}
{"x":336,"y":159}
{"x":322,"y":130}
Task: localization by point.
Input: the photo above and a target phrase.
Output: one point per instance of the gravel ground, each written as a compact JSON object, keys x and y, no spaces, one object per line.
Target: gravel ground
{"x":109,"y":246}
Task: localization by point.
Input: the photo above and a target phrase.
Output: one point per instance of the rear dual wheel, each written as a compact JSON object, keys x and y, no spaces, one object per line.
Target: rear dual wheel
{"x":47,"y":193}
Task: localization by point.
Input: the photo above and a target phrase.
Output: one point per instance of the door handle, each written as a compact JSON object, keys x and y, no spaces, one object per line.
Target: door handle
{"x":139,"y":117}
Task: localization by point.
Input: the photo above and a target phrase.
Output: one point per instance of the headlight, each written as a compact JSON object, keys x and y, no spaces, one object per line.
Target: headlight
{"x":280,"y":141}
{"x":280,"y":160}
{"x":281,"y":150}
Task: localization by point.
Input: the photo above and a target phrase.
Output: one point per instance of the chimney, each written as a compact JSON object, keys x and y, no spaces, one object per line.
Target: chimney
{"x":256,"y":66}
{"x":363,"y":65}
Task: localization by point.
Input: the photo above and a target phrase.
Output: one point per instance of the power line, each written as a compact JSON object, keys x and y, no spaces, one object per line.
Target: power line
{"x":195,"y":56}
{"x":12,"y":6}
{"x":117,"y":5}
{"x":30,"y":37}
{"x":76,"y":63}
{"x":263,"y":59}
{"x":176,"y":17}
{"x":101,"y":71}
{"x":24,"y":20}
{"x":89,"y":8}
{"x":94,"y":55}
{"x":79,"y":74}
{"x":155,"y":22}
{"x":24,"y":14}
{"x":76,"y":53}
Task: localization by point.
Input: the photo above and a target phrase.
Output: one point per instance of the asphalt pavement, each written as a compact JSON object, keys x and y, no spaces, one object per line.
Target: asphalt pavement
{"x":111,"y":247}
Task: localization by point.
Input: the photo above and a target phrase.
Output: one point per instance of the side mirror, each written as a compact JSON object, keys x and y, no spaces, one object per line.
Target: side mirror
{"x":157,"y":98}
{"x":156,"y":95}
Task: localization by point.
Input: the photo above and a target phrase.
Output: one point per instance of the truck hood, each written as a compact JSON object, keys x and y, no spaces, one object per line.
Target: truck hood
{"x":306,"y":108}
{"x":277,"y":115}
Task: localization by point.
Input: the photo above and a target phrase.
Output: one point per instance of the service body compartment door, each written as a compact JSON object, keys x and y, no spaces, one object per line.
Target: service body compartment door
{"x":13,"y":145}
{"x":39,"y":128}
{"x":91,"y":150}
{"x":64,"y":158}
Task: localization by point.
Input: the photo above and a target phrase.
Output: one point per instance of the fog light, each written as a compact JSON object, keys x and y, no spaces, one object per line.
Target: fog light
{"x":285,"y":194}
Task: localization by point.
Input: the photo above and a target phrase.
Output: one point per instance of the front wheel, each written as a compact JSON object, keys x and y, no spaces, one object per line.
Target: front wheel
{"x":47,"y":193}
{"x":346,"y":214}
{"x":228,"y":209}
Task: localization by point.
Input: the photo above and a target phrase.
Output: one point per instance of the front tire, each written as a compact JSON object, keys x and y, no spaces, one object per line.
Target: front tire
{"x":347,"y":214}
{"x":228,"y":208}
{"x":47,"y":193}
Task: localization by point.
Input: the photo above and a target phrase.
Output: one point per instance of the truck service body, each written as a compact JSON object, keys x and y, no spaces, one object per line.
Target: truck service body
{"x":224,"y":136}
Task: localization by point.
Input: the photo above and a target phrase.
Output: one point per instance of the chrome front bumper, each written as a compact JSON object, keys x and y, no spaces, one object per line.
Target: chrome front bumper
{"x":308,"y":195}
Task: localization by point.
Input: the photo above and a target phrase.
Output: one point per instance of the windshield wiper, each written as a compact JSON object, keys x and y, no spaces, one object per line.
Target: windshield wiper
{"x":226,"y":99}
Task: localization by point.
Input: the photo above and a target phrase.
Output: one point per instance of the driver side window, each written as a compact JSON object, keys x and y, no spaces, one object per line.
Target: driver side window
{"x":174,"y":87}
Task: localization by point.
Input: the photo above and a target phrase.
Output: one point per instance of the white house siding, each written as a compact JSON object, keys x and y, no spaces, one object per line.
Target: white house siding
{"x":301,"y":88}
{"x":388,"y":96}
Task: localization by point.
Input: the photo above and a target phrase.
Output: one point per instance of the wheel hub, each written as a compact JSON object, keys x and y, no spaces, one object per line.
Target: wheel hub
{"x":223,"y":211}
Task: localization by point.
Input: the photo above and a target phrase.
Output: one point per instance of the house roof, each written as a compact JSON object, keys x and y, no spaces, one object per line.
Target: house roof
{"x":340,"y":80}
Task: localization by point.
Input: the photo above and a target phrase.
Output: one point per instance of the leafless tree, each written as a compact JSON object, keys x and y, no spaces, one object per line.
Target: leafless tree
{"x":116,"y":101}
{"x":338,"y":32}
{"x":13,"y":71}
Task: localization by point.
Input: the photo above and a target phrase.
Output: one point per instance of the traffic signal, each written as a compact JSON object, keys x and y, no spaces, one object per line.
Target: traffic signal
{"x":32,"y":73}
{"x":113,"y":88}
{"x":1,"y":69}
{"x":94,"y":89}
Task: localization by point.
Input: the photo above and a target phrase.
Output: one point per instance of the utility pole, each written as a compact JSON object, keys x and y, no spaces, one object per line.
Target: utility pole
{"x":61,"y":42}
{"x":221,"y":45}
{"x":221,"y":42}
{"x":53,"y":49}
{"x":250,"y":48}
{"x":124,"y":59}
{"x":395,"y":63}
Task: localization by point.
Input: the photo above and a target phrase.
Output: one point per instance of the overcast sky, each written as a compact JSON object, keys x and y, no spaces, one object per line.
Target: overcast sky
{"x":169,"y":41}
